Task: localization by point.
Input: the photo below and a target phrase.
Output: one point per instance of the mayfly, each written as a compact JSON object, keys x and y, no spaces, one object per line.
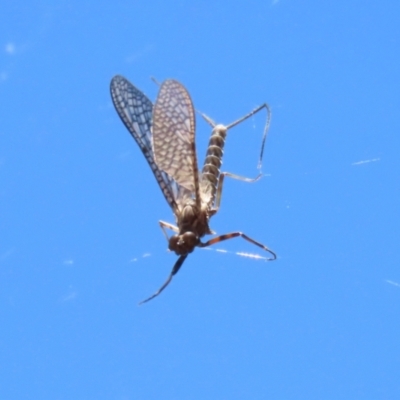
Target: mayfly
{"x":166,"y":135}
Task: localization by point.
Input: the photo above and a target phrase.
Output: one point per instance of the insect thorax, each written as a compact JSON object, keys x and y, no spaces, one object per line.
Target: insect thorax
{"x":192,"y":224}
{"x":192,"y":219}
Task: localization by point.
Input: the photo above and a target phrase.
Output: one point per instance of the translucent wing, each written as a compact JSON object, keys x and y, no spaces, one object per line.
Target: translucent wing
{"x":173,"y":135}
{"x":135,"y":111}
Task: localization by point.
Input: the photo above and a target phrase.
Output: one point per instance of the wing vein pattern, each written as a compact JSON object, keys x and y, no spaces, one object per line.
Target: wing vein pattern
{"x":136,"y":112}
{"x":174,"y":135}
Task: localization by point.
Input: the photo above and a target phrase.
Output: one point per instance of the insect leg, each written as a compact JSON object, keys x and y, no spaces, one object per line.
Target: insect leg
{"x":220,"y":184}
{"x":167,"y":225}
{"x":237,"y":234}
{"x":176,"y":268}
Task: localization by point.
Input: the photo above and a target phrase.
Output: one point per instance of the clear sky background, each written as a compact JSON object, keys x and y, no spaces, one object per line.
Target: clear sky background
{"x":80,"y":242}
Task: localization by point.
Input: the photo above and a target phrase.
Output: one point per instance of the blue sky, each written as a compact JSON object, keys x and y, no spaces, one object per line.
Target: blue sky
{"x":80,"y":243}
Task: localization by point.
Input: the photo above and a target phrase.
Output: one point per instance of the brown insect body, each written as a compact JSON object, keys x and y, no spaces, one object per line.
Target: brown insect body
{"x":192,"y":221}
{"x":166,"y":135}
{"x":192,"y":225}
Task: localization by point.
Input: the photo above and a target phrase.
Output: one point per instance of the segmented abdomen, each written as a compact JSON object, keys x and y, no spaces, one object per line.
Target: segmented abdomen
{"x":212,"y":164}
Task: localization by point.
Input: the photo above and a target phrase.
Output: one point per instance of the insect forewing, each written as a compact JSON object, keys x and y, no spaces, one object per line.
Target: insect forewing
{"x":173,"y":135}
{"x":135,"y":111}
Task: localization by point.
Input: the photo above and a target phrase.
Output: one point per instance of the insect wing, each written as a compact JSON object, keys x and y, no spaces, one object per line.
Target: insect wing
{"x":135,"y":111}
{"x":173,"y":135}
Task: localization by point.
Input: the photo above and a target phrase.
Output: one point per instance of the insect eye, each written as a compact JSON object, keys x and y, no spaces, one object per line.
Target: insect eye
{"x":190,"y":241}
{"x":173,"y":243}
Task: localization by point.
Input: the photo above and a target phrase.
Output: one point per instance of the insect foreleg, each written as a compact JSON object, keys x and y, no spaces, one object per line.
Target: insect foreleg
{"x":167,"y":225}
{"x":175,"y":269}
{"x":237,"y":234}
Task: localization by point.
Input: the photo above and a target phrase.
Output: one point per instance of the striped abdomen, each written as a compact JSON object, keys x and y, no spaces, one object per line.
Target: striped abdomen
{"x":212,"y":164}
